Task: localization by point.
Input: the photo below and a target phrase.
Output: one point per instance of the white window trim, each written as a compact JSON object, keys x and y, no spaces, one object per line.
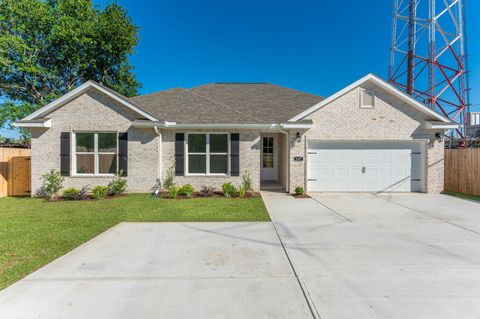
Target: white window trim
{"x":95,"y":153}
{"x":362,"y":92}
{"x":207,"y":154}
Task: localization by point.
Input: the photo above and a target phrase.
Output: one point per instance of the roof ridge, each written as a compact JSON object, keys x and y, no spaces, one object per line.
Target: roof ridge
{"x":221,"y":104}
{"x":259,"y":83}
{"x":247,"y":83}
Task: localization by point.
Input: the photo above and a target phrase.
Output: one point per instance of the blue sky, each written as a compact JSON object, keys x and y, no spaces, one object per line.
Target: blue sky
{"x":314,"y":46}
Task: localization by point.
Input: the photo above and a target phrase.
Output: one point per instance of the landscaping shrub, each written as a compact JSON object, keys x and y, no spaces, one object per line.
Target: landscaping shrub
{"x":229,"y":190}
{"x":299,"y":190}
{"x":207,"y":191}
{"x":83,"y":192}
{"x":242,"y":191}
{"x":185,"y":190}
{"x":118,"y":185}
{"x":246,"y":182}
{"x":173,"y":191}
{"x":52,"y":183}
{"x":169,"y":179}
{"x":100,"y":192}
{"x":71,"y":193}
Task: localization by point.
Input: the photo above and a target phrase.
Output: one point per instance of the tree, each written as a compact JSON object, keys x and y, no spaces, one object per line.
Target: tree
{"x":49,"y":47}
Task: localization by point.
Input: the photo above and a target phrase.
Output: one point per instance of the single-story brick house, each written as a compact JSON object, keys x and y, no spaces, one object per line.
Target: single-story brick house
{"x":368,"y":137}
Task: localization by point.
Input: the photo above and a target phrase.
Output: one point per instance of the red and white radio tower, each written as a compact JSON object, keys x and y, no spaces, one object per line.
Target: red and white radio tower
{"x":428,"y":55}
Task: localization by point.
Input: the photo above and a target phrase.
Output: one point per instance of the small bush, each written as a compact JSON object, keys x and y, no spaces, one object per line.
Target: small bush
{"x":299,"y":190}
{"x":52,"y":183}
{"x":71,"y":194}
{"x":83,"y":192}
{"x":173,"y":191}
{"x":100,"y":192}
{"x":242,"y":192}
{"x":118,"y":185}
{"x":229,"y":190}
{"x":246,"y":182}
{"x":185,"y":190}
{"x":169,"y":179}
{"x":75,"y":194}
{"x":207,"y":191}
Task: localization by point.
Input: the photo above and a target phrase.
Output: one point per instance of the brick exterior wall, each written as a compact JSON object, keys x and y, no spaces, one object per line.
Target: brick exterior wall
{"x":341,"y":120}
{"x":249,"y":159}
{"x":297,"y":168}
{"x":390,"y":120}
{"x":94,"y":111}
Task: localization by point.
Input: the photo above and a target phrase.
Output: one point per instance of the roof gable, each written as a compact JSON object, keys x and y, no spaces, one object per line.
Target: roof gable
{"x":52,"y":106}
{"x":384,"y":85}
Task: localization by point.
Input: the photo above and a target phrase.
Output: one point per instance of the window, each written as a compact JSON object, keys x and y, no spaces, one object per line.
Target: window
{"x":95,"y":154}
{"x":207,"y":153}
{"x":367,"y":99}
{"x":267,"y":152}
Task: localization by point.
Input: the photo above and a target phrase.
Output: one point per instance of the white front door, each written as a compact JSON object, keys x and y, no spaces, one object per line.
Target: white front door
{"x":269,"y":171}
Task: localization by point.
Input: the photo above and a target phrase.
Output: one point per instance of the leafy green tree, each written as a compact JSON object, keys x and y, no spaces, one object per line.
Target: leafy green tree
{"x":49,"y":47}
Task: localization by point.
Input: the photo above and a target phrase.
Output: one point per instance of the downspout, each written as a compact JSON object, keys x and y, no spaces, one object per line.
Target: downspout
{"x":287,"y":157}
{"x":160,"y":160}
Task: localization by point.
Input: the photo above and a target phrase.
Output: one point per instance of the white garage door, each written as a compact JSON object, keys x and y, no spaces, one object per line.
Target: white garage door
{"x":364,"y":167}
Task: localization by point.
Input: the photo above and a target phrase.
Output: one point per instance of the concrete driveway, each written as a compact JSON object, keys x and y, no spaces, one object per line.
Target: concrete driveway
{"x":165,"y":270}
{"x":383,"y":256}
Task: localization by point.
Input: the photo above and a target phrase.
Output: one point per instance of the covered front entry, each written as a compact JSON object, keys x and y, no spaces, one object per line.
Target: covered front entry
{"x":273,"y":161}
{"x":365,"y":166}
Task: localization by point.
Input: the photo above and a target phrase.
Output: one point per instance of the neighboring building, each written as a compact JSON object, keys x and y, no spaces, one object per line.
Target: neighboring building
{"x":473,"y":125}
{"x":368,"y":137}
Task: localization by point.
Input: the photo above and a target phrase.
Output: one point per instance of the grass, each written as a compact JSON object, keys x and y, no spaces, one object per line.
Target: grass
{"x":34,"y":232}
{"x":465,"y":196}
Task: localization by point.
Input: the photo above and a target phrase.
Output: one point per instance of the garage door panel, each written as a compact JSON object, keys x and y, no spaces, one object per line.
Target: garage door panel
{"x":354,"y":172}
{"x":355,"y":159}
{"x":370,"y":160}
{"x":340,"y":161}
{"x":371,"y":169}
{"x":398,"y":172}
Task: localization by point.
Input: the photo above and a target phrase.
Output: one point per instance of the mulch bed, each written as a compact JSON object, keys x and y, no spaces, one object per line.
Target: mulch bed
{"x":200,"y":195}
{"x":162,"y":195}
{"x":300,"y":196}
{"x":86,"y":198}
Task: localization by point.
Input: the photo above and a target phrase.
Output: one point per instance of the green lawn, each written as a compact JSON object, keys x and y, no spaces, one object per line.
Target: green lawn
{"x":465,"y":196}
{"x":34,"y":232}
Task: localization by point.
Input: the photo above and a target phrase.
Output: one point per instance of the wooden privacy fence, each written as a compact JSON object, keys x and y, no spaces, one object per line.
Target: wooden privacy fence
{"x":15,"y":174}
{"x":462,"y":171}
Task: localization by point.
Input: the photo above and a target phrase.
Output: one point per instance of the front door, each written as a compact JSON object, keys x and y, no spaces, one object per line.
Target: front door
{"x":268,"y":163}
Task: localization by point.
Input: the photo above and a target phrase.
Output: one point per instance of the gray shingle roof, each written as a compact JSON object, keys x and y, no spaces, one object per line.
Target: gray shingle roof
{"x":227,"y":103}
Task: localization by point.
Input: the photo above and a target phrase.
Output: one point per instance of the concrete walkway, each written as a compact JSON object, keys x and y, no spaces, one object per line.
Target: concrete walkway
{"x":165,"y":270}
{"x":383,"y":256}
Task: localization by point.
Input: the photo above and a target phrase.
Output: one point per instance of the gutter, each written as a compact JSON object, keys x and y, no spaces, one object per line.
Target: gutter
{"x":438,"y":125}
{"x":160,"y":160}
{"x":174,"y":125}
{"x":47,"y":124}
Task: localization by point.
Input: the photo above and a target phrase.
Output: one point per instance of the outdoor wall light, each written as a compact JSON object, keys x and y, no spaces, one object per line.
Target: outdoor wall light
{"x":439,"y":137}
{"x":299,"y":137}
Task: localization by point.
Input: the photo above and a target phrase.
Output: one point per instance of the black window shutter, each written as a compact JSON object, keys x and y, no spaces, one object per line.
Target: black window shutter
{"x":235,"y":154}
{"x":179,"y":154}
{"x":65,"y":153}
{"x":123,"y":153}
